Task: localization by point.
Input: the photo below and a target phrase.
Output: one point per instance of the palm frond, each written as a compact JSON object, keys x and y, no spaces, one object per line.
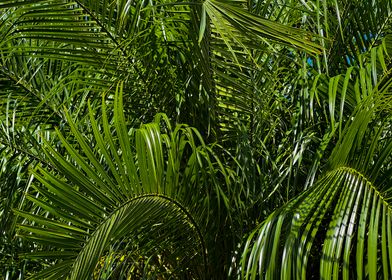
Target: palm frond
{"x":342,"y":222}
{"x":163,"y":219}
{"x":98,"y":189}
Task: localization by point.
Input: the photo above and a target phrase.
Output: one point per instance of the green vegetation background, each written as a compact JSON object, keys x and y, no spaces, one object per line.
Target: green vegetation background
{"x":215,"y":139}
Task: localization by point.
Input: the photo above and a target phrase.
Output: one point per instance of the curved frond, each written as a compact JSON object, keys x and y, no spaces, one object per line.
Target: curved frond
{"x":342,"y":224}
{"x":340,"y":227}
{"x":181,"y":243}
{"x":120,"y":186}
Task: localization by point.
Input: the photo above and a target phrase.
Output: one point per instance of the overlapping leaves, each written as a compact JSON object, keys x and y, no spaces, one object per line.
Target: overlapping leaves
{"x":340,"y":228}
{"x":124,"y":187}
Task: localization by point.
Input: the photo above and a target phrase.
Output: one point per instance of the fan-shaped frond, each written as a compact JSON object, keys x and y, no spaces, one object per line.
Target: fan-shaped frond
{"x":342,"y":224}
{"x":181,"y":243}
{"x":123,"y":184}
{"x":339,"y":228}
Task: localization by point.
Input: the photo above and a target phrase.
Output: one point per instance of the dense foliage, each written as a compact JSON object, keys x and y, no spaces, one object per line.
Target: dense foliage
{"x":215,"y":139}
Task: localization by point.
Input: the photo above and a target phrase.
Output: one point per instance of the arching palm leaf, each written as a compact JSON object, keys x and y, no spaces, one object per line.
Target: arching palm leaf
{"x":340,"y":225}
{"x":343,"y":221}
{"x":98,"y":196}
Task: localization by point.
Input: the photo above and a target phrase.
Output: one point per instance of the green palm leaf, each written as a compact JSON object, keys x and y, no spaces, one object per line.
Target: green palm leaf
{"x":99,"y":196}
{"x":341,"y":223}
